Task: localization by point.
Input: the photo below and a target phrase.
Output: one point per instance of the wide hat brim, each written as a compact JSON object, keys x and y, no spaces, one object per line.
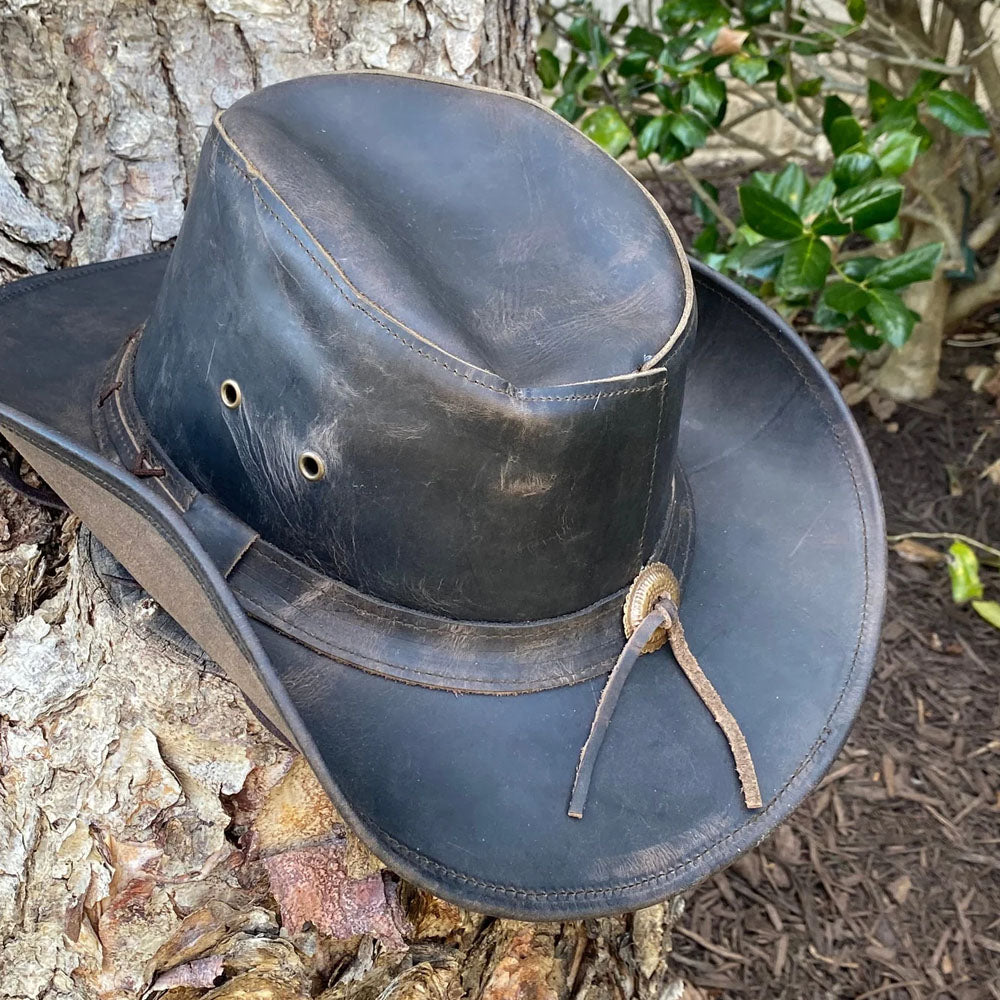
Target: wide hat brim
{"x":466,"y":795}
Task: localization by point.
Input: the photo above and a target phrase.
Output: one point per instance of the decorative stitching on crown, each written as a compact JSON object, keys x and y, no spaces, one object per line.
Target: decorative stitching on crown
{"x":513,"y":395}
{"x":652,"y":481}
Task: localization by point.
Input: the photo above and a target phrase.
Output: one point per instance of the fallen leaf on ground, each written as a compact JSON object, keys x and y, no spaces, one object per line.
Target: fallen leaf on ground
{"x":312,"y":885}
{"x":916,"y":552}
{"x":201,"y":972}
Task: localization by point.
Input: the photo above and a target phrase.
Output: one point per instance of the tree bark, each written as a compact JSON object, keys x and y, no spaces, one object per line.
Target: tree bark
{"x":104,"y":104}
{"x":153,"y":836}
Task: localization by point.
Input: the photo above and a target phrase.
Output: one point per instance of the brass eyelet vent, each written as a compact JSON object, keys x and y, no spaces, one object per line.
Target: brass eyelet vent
{"x":312,"y":466}
{"x":654,"y":581}
{"x":231,"y":393}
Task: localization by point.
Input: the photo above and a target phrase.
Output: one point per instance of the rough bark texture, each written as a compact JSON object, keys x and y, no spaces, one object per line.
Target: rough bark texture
{"x":152,"y":835}
{"x":104,"y":103}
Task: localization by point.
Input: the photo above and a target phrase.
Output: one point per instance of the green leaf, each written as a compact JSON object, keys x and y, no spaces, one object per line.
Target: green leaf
{"x":846,"y":297}
{"x":908,"y":268}
{"x":643,"y":40}
{"x":810,"y":88}
{"x":885,"y":232}
{"x":579,"y":33}
{"x":860,"y":339}
{"x":568,"y":107}
{"x":748,"y":235}
{"x":989,"y":611}
{"x":764,"y":179}
{"x":829,"y":319}
{"x":833,"y":108}
{"x":759,"y":260}
{"x":896,"y":152}
{"x":678,"y":12}
{"x":547,"y":66}
{"x":889,"y":313}
{"x":790,"y":186}
{"x":852,"y":169}
{"x":879,"y":99}
{"x":667,"y":97}
{"x":858,"y":268}
{"x":707,"y":93}
{"x":758,"y":11}
{"x":633,"y":64}
{"x":768,"y":215}
{"x":749,"y":69}
{"x":608,"y":129}
{"x":690,"y":129}
{"x":957,"y":112}
{"x":651,"y":136}
{"x":856,"y":10}
{"x":927,"y":80}
{"x":576,"y":77}
{"x":672,"y":149}
{"x":804,"y":267}
{"x":819,"y":197}
{"x":706,"y":241}
{"x":871,"y":203}
{"x":843,"y":133}
{"x":701,"y":209}
{"x":620,"y":18}
{"x":828,"y":223}
{"x":963,"y":568}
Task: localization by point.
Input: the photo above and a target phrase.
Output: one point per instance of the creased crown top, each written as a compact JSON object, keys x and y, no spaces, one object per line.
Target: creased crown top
{"x":490,"y":227}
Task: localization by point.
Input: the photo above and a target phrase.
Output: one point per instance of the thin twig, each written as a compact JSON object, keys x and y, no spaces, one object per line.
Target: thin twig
{"x":863,"y":50}
{"x":944,"y":535}
{"x":702,"y":192}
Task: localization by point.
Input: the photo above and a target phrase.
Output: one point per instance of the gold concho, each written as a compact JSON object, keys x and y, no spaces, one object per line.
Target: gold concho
{"x":653,"y":582}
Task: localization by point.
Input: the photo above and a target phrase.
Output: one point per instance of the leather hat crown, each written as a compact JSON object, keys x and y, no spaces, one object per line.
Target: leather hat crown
{"x":469,"y":407}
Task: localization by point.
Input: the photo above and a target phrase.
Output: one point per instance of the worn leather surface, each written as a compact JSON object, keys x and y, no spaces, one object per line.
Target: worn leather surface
{"x":447,"y":294}
{"x":344,"y":624}
{"x":782,"y":608}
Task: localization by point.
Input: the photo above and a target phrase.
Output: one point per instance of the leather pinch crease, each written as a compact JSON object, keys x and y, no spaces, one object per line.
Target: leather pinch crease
{"x":663,"y":615}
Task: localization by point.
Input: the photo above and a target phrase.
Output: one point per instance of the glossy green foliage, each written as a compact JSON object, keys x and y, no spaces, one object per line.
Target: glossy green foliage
{"x":823,"y":241}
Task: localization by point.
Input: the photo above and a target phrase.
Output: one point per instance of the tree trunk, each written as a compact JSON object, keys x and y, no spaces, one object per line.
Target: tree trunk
{"x":911,"y":372}
{"x":104,"y":104}
{"x":152,"y":835}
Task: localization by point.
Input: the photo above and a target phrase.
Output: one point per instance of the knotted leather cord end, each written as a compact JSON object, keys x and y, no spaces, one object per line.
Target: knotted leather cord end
{"x":40,"y":495}
{"x":142,"y":467}
{"x":660,"y":621}
{"x":714,"y":703}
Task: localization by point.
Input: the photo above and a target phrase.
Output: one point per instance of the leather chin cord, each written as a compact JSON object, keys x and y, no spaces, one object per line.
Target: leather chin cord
{"x":660,"y":622}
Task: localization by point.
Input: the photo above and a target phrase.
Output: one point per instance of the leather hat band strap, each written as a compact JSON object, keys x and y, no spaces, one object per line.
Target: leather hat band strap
{"x":662,"y":616}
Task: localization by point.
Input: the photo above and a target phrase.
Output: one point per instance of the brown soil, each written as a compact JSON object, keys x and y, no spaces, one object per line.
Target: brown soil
{"x":886,"y":882}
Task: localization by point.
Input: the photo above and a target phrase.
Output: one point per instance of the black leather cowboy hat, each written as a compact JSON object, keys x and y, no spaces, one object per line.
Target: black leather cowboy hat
{"x":426,"y":394}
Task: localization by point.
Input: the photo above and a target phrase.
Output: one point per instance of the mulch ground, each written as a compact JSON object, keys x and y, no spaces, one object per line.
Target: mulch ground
{"x":886,"y":883}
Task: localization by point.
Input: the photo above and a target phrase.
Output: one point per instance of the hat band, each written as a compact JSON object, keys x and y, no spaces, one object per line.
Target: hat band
{"x":361,"y":631}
